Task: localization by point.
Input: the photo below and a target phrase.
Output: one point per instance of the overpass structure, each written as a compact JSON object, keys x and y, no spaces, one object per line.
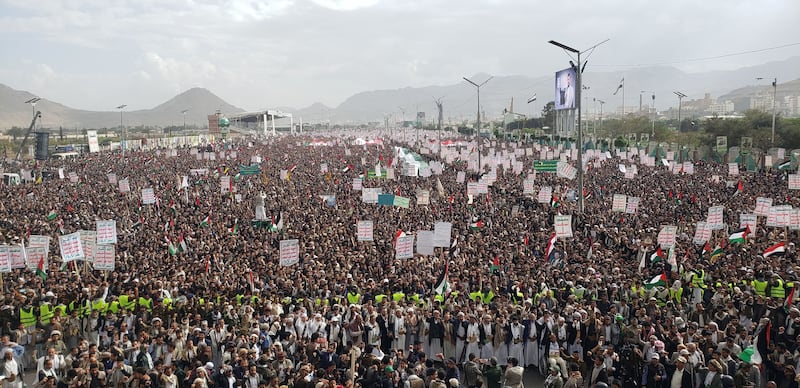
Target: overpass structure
{"x":263,"y":119}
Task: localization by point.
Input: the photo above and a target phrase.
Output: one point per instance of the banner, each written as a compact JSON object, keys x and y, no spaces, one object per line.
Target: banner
{"x":290,"y":252}
{"x":441,"y":234}
{"x":405,"y":247}
{"x":70,"y":246}
{"x":104,"y":257}
{"x":545,"y":194}
{"x":632,"y":205}
{"x":425,"y":242}
{"x":762,"y":206}
{"x":148,"y":196}
{"x":527,"y":187}
{"x":400,"y":201}
{"x":365,"y":231}
{"x":5,"y":260}
{"x":702,"y":233}
{"x":16,"y":255}
{"x":423,"y":197}
{"x":88,"y":242}
{"x":563,"y":224}
{"x":779,"y":216}
{"x":106,"y":231}
{"x":715,"y":218}
{"x":666,"y":237}
{"x":619,"y":203}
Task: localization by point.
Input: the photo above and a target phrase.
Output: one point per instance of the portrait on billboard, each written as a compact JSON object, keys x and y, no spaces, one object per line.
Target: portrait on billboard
{"x":565,"y":89}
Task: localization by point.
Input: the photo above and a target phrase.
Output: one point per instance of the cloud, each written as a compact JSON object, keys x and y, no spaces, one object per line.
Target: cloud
{"x":257,"y":10}
{"x":345,"y":5}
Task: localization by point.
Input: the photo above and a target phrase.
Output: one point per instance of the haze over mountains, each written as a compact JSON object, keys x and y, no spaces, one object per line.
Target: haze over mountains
{"x":459,"y":98}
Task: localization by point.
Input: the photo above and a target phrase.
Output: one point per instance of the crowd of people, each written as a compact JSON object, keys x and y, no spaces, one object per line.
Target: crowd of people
{"x":219,"y":310}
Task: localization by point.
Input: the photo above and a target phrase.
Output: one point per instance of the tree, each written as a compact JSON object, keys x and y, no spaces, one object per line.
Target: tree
{"x":15,"y":132}
{"x":548,"y":115}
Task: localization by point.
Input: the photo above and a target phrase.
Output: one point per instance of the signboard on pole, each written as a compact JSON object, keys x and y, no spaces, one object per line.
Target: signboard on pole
{"x":70,"y":246}
{"x":289,"y":252}
{"x":104,"y":257}
{"x":716,"y":217}
{"x":405,"y":247}
{"x":365,"y":231}
{"x":106,"y":231}
{"x":563,"y":225}
{"x":619,"y":203}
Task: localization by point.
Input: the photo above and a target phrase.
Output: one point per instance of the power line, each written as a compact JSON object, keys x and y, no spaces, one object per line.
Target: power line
{"x":702,"y":58}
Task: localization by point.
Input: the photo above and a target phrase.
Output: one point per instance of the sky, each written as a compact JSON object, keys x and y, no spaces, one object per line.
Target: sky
{"x":256,"y":54}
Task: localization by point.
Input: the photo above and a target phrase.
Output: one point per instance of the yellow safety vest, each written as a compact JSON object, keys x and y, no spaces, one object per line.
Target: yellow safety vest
{"x":760,"y":287}
{"x":27,"y":318}
{"x":476,"y":296}
{"x":147,"y":303}
{"x":239,"y":299}
{"x":778,"y":291}
{"x":398,"y":296}
{"x":699,"y":281}
{"x":113,"y":307}
{"x":487,"y":297}
{"x":379,"y":298}
{"x":46,"y":312}
{"x":62,"y":310}
{"x":127,"y":303}
{"x":353,"y":298}
{"x":676,"y":295}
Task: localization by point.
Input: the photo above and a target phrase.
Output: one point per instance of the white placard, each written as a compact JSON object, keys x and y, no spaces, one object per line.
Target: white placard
{"x":357,"y":184}
{"x":619,"y":203}
{"x":290,"y":252}
{"x":441,"y":234}
{"x":563,"y":225}
{"x":666,"y":237}
{"x":527,"y":187}
{"x":5,"y":260}
{"x":423,"y":197}
{"x":794,"y":220}
{"x":88,"y":242}
{"x":390,"y":173}
{"x":104,"y":257}
{"x":370,"y":194}
{"x":565,"y":170}
{"x":794,"y":181}
{"x":733,"y":169}
{"x":73,"y":177}
{"x":425,"y":242}
{"x":404,"y":249}
{"x":323,"y":168}
{"x":106,"y":231}
{"x":749,"y":220}
{"x":225,"y":184}
{"x":460,"y":177}
{"x":545,"y":194}
{"x":112,"y":178}
{"x":34,"y":255}
{"x":365,"y":231}
{"x":779,"y":216}
{"x":70,"y":246}
{"x":148,"y":196}
{"x":715,"y":218}
{"x":762,"y":206}
{"x":701,"y":233}
{"x":632,"y":206}
{"x":472,"y":188}
{"x":16,"y":255}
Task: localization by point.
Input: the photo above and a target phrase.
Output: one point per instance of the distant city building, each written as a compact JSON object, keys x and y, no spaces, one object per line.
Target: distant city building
{"x":721,"y":108}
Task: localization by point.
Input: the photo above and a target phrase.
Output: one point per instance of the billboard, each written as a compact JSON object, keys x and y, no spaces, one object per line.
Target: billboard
{"x":565,"y":89}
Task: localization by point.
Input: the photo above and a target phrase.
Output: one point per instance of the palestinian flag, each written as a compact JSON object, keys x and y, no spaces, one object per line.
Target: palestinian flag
{"x":551,"y":247}
{"x":657,"y":256}
{"x":739,"y":188}
{"x":787,"y":303}
{"x":476,"y":224}
{"x":554,"y":202}
{"x":659,"y":280}
{"x":40,"y":272}
{"x":761,"y":342}
{"x":235,"y":228}
{"x":777,"y":249}
{"x":173,"y":250}
{"x":52,"y":215}
{"x":205,"y":222}
{"x":706,"y":249}
{"x":172,"y":207}
{"x":182,"y":244}
{"x":138,"y":223}
{"x":454,"y":250}
{"x":739,"y":235}
{"x":442,"y":286}
{"x":787,"y":165}
{"x":495,"y":266}
{"x":277,"y":223}
{"x":716,"y":253}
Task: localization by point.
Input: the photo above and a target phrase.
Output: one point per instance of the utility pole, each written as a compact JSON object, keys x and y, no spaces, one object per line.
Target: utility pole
{"x":680,"y":99}
{"x":124,"y":142}
{"x":774,"y":98}
{"x":440,"y":118}
{"x":478,"y":122}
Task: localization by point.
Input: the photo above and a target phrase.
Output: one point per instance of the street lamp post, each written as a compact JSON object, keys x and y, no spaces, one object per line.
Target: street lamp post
{"x":601,"y":118}
{"x":184,"y":123}
{"x":579,"y":77}
{"x":680,"y":100}
{"x":123,"y":144}
{"x":478,"y":122}
{"x":774,"y":98}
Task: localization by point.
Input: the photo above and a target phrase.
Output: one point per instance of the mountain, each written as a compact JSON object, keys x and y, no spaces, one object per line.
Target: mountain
{"x":198,"y":101}
{"x":459,"y":98}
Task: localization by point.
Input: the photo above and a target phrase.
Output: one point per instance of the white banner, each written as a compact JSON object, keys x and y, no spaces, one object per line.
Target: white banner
{"x":716,"y":217}
{"x":750,"y":220}
{"x":405,"y":247}
{"x":460,"y":177}
{"x":527,"y":187}
{"x":733,"y":169}
{"x":104,"y":257}
{"x":545,"y":194}
{"x":702,"y":233}
{"x":423,"y":197}
{"x":357,"y":184}
{"x":106,"y":231}
{"x":73,"y":177}
{"x":779,"y":216}
{"x":370,"y":194}
{"x":441,"y":234}
{"x":34,"y":255}
{"x":794,"y":223}
{"x":365,"y":231}
{"x":88,"y":242}
{"x":5,"y":260}
{"x":70,"y":246}
{"x":666,"y":237}
{"x":148,"y":196}
{"x":16,"y":254}
{"x":425,"y":242}
{"x":290,"y":252}
{"x":762,"y":206}
{"x":563,"y":224}
{"x":619,"y":203}
{"x":565,"y":170}
{"x":632,"y":206}
{"x":472,"y":188}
